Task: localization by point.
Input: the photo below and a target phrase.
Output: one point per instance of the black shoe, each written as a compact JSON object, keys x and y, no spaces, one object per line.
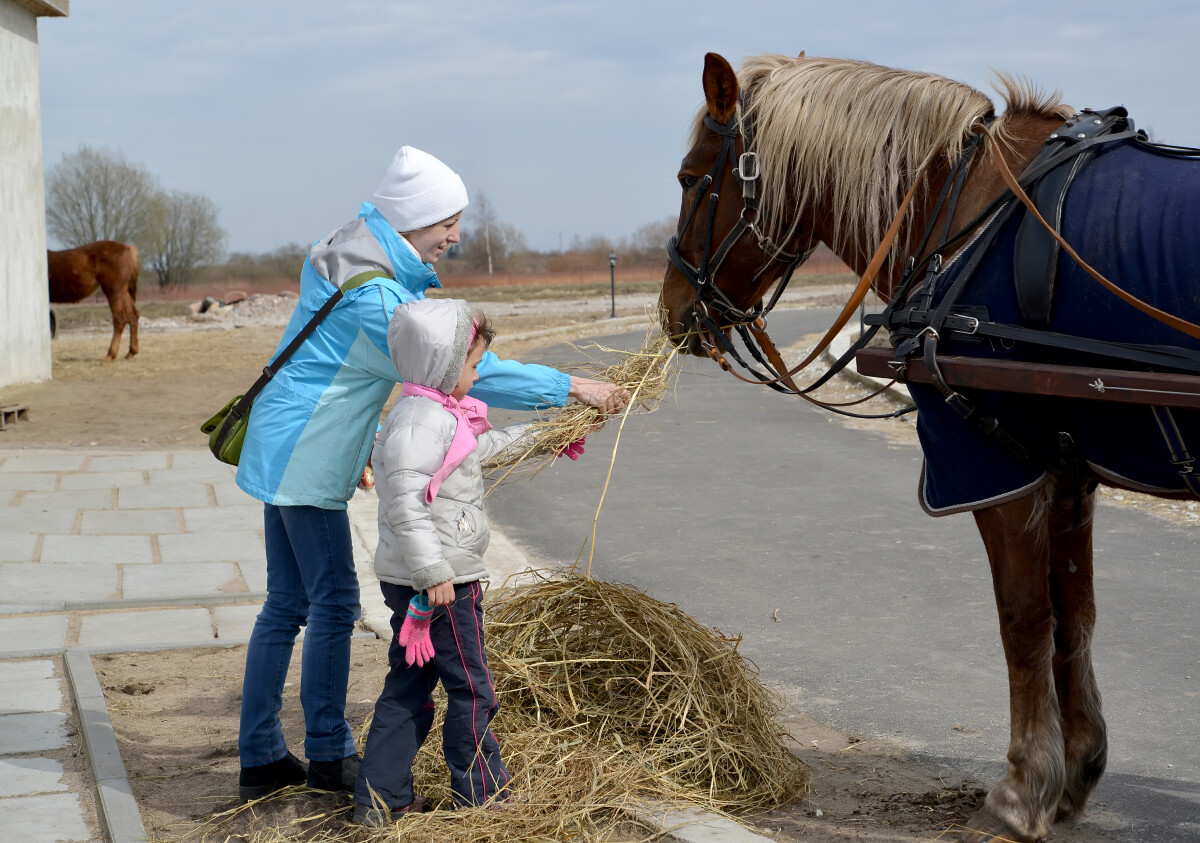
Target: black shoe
{"x":377,"y":816}
{"x":257,"y":782}
{"x":341,"y":774}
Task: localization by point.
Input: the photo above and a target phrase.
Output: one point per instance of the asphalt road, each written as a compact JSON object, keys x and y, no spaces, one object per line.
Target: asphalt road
{"x":744,"y":506}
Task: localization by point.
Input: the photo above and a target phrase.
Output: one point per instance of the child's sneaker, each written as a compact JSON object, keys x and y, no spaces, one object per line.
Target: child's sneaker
{"x":377,"y":816}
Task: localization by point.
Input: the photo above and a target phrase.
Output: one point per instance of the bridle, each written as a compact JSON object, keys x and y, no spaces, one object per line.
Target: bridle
{"x":710,"y":302}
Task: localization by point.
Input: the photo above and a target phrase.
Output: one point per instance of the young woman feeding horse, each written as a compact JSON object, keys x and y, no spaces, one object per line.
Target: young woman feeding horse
{"x":910,"y":178}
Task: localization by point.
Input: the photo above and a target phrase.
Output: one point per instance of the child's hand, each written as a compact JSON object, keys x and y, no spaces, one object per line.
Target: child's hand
{"x":414,"y":633}
{"x":367,"y":481}
{"x":441,"y":594}
{"x":573,"y":449}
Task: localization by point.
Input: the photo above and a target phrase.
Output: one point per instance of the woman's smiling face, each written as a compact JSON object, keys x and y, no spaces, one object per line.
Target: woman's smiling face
{"x":432,"y":241}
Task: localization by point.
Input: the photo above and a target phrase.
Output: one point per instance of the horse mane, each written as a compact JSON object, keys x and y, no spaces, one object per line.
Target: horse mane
{"x":854,"y":135}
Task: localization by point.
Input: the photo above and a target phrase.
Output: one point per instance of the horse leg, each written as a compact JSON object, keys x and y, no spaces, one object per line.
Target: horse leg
{"x":134,"y":316}
{"x":1085,"y":739}
{"x":1021,"y":807}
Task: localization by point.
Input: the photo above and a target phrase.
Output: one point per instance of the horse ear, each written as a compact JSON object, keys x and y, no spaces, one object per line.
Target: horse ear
{"x":720,"y":87}
{"x":801,"y":55}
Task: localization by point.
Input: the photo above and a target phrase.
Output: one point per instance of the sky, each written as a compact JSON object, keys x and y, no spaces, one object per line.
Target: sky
{"x":570,"y":116}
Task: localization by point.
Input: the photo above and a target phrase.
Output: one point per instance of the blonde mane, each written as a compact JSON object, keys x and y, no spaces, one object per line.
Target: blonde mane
{"x":852,"y":135}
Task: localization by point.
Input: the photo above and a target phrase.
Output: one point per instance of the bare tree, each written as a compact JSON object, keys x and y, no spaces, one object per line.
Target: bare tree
{"x":95,"y":194}
{"x":183,"y":235}
{"x":485,"y":217}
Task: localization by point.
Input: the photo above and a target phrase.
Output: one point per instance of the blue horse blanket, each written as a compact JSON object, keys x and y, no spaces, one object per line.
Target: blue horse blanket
{"x":1135,"y":216}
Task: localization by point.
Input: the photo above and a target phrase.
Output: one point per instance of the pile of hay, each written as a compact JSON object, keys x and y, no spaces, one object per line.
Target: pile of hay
{"x":646,"y":373}
{"x":608,"y":698}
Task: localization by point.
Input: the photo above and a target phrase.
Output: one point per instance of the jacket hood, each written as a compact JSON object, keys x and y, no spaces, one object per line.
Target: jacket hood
{"x":429,"y":340}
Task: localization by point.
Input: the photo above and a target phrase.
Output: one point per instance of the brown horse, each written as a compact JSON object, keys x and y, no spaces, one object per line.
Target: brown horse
{"x":108,"y":265}
{"x":837,"y":149}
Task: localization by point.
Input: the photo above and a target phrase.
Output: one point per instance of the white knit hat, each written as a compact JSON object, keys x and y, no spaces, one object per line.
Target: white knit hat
{"x":418,"y":190}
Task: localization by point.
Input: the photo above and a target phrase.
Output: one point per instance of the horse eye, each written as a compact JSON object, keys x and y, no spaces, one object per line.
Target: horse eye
{"x":688,"y":182}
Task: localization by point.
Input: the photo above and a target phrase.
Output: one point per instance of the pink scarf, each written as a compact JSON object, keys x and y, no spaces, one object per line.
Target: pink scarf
{"x":472,"y":421}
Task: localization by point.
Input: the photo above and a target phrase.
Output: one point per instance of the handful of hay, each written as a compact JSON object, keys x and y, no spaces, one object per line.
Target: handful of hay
{"x":646,"y":373}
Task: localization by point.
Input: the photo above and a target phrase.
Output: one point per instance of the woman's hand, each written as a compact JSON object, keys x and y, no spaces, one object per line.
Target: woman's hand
{"x":608,"y":398}
{"x":441,"y":594}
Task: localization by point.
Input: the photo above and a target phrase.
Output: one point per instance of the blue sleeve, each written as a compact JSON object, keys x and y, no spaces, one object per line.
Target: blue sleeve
{"x":519,"y":386}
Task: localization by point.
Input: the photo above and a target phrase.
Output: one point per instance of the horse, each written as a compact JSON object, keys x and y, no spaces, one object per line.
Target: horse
{"x":790,"y":152}
{"x":108,"y":265}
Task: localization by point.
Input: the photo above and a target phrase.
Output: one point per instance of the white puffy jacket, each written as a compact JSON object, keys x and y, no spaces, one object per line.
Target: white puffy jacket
{"x":421,"y":545}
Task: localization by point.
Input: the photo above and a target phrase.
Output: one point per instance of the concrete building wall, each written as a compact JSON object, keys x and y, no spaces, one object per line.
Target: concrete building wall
{"x":24,"y":297}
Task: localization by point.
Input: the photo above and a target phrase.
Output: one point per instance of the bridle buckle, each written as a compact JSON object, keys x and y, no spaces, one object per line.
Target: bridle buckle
{"x":747,"y":167}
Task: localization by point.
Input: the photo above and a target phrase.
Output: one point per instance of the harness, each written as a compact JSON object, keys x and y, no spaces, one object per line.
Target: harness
{"x":917,"y":326}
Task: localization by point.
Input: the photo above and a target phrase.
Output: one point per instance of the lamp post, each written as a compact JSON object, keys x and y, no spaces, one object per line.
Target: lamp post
{"x":612,"y":278}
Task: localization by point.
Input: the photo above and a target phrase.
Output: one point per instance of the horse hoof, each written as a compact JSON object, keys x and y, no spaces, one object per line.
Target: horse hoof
{"x":986,"y":827}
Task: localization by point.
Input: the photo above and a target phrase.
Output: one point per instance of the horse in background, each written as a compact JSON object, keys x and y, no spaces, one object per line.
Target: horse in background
{"x":792,"y":152}
{"x":108,"y":265}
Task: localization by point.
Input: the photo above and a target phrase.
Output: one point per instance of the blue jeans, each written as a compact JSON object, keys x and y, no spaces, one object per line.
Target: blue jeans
{"x":311,"y":583}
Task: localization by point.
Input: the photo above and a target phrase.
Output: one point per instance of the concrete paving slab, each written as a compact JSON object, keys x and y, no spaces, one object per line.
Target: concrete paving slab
{"x":235,"y":623}
{"x":42,"y":462}
{"x":254,"y":573}
{"x":34,"y":634}
{"x":34,"y":732}
{"x":129,"y":462}
{"x":123,"y":550}
{"x":217,"y":473}
{"x":201,"y":459}
{"x":159,"y":627}
{"x":29,"y":686}
{"x":163,"y":495}
{"x":15,"y":520}
{"x":224,"y":519}
{"x":28,"y":481}
{"x":130,"y":522}
{"x":141,"y":582}
{"x":69,"y":581}
{"x":236,"y":546}
{"x":27,"y":776}
{"x":102,"y":480}
{"x":231,"y":494}
{"x":696,"y":825}
{"x":17,"y":547}
{"x":7,"y":496}
{"x":53,"y":818}
{"x":77,"y":499}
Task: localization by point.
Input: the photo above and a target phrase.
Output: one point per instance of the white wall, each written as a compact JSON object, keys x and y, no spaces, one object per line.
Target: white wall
{"x":24,"y":296}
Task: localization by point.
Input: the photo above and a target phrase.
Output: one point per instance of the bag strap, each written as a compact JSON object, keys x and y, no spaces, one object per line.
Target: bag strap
{"x":241,"y":407}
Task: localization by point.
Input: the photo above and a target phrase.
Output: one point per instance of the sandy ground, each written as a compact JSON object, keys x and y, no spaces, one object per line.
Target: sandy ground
{"x":175,"y":713}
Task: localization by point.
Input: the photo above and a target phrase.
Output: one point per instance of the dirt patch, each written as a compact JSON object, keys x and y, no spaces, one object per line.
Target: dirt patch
{"x":175,"y":714}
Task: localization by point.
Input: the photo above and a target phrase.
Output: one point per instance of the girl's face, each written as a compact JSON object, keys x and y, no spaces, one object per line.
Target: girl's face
{"x":469,"y":375}
{"x":432,"y":241}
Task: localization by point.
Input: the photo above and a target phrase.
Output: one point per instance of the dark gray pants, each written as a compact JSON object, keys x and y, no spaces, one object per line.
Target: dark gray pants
{"x":404,"y":711}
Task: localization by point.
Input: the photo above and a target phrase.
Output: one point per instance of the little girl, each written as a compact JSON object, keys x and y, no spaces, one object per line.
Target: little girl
{"x":432,"y":536}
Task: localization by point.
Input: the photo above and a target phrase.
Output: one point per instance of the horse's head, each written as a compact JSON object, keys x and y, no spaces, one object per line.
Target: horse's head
{"x":721,"y":262}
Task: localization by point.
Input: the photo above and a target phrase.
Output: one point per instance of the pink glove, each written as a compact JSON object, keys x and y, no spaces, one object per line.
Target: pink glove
{"x":574,"y":449}
{"x":414,"y":633}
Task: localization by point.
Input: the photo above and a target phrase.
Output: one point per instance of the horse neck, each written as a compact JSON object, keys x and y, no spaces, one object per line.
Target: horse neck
{"x":1023,"y":140}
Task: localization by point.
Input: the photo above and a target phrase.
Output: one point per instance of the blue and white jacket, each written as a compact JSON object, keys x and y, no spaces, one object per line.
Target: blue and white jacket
{"x":311,"y":429}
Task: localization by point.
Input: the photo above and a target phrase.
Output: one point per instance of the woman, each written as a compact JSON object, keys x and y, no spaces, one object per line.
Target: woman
{"x":309,"y":438}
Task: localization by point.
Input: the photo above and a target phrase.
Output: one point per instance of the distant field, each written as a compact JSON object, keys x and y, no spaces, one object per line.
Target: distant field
{"x":156,"y":303}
